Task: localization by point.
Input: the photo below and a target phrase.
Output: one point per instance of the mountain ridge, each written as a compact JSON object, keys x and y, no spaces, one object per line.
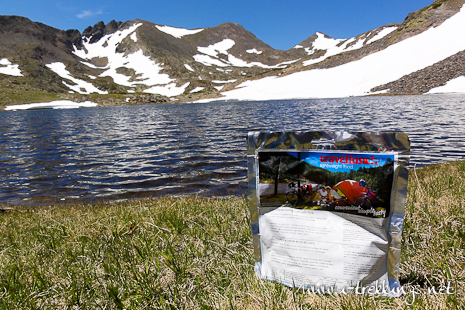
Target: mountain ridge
{"x":180,"y":65}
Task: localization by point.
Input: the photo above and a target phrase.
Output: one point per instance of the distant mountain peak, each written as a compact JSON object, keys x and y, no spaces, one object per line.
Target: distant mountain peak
{"x":95,"y":33}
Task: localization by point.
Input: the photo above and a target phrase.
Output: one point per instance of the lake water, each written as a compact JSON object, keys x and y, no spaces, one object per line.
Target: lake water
{"x":142,"y":151}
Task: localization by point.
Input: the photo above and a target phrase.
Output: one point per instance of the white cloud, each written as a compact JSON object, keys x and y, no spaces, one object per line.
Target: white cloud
{"x":89,"y":13}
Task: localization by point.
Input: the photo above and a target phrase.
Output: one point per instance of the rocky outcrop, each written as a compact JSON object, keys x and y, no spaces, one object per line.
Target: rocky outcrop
{"x":18,"y":34}
{"x":96,"y":32}
{"x":118,"y":100}
{"x":424,"y":80}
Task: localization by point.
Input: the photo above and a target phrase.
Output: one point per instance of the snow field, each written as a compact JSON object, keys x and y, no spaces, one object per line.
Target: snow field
{"x":358,"y":77}
{"x":147,"y":71}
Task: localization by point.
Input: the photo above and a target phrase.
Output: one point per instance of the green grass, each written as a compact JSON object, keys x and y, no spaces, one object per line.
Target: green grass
{"x":18,"y":97}
{"x":13,"y":97}
{"x":196,"y":253}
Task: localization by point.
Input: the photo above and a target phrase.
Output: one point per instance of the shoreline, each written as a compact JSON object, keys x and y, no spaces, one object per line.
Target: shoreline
{"x":129,"y":99}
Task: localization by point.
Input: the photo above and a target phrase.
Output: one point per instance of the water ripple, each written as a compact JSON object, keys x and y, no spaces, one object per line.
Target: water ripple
{"x":143,"y":151}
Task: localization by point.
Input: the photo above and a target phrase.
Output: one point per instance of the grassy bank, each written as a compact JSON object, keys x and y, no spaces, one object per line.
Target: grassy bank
{"x":196,"y":253}
{"x":13,"y":97}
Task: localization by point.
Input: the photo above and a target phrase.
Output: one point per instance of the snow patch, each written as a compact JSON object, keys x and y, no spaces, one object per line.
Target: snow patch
{"x":168,"y":90}
{"x":210,"y":55}
{"x":178,"y":32}
{"x":89,"y":65}
{"x":254,"y":51}
{"x":134,"y":36}
{"x":209,"y":61}
{"x":60,"y":69}
{"x":59,"y":104}
{"x":197,"y":89}
{"x":382,"y":34}
{"x":220,"y":82}
{"x":456,"y":85}
{"x":6,"y":67}
{"x":236,"y":62}
{"x":188,"y":67}
{"x":324,"y":43}
{"x":146,"y":70}
{"x":337,"y":46}
{"x":220,"y":47}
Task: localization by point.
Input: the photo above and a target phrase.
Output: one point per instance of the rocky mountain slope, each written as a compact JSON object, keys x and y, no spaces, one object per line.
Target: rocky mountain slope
{"x":142,"y":62}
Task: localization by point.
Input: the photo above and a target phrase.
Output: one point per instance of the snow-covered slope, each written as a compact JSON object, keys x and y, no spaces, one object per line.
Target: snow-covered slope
{"x":133,"y":56}
{"x":357,"y":78}
{"x":147,"y":71}
{"x":79,"y":86}
{"x":210,"y":55}
{"x":336,"y":46}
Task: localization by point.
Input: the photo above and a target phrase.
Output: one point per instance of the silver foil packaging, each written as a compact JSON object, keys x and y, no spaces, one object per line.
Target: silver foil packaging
{"x":327,"y":208}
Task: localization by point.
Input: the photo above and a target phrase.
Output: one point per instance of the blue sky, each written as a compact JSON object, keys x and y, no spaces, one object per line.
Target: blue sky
{"x":279,"y":23}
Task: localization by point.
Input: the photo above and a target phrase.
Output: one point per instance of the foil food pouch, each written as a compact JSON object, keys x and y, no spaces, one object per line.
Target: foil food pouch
{"x":327,"y":208}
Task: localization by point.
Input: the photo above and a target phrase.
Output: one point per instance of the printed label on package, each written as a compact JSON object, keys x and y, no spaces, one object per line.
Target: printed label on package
{"x":355,"y":183}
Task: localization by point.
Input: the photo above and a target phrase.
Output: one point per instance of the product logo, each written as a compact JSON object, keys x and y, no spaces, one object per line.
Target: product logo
{"x":346,"y":162}
{"x":349,"y":159}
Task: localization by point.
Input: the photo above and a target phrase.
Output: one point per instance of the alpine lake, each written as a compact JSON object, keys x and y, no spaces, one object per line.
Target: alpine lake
{"x":50,"y":156}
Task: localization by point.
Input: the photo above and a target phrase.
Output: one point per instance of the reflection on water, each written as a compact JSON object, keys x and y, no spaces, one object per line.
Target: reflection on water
{"x":138,"y":151}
